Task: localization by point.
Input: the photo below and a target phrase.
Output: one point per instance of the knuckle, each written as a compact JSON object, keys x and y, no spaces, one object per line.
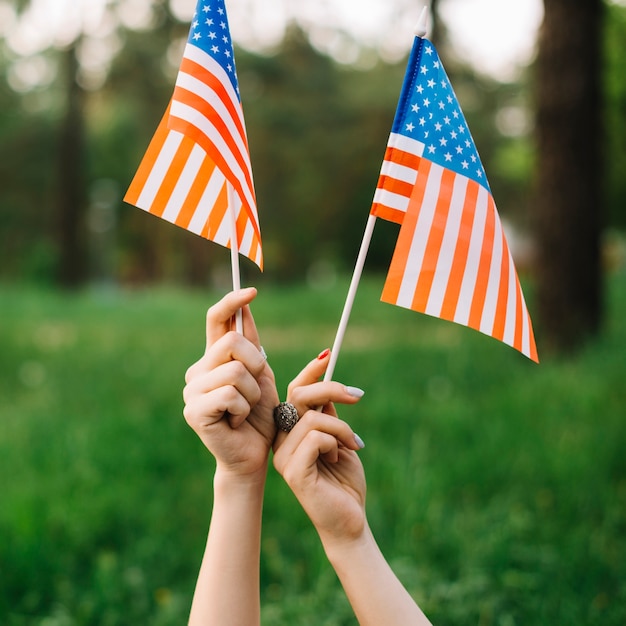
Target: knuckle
{"x":190,"y":373}
{"x":239,"y":370}
{"x":189,"y":415}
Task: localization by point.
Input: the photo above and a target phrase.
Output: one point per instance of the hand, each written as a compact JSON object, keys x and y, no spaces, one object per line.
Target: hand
{"x":230,"y":393}
{"x":317,"y":458}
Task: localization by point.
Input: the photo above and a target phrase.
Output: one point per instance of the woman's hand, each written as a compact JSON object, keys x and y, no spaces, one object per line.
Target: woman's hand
{"x":230,"y":392}
{"x":317,"y":458}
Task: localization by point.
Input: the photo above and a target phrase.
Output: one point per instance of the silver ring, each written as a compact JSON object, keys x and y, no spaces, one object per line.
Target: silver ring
{"x":285,"y":416}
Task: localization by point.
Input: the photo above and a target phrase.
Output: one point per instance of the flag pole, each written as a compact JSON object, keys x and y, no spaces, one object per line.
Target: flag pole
{"x":234,"y":256}
{"x":420,"y":30}
{"x":354,"y":284}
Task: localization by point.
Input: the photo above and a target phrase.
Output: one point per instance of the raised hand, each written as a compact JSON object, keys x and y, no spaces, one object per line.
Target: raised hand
{"x":318,"y":457}
{"x":230,"y":392}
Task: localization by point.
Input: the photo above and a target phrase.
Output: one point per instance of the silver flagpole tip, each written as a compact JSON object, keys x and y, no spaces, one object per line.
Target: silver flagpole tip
{"x":421,"y":28}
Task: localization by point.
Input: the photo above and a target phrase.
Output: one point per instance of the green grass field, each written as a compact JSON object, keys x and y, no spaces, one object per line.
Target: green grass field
{"x":497,"y":488}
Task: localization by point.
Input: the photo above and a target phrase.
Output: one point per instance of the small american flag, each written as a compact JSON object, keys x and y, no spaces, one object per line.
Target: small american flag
{"x":452,"y":259}
{"x":197,"y":168}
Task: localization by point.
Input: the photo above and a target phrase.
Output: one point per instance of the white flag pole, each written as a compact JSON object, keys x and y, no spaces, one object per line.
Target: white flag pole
{"x":234,"y":255}
{"x":347,"y":309}
{"x":420,"y":30}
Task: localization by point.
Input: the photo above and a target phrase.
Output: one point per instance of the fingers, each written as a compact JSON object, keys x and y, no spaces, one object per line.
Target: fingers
{"x":224,"y":382}
{"x":305,"y":393}
{"x":219,"y":318}
{"x":208,"y":408}
{"x":311,"y":372}
{"x":230,"y":347}
{"x":324,"y":395}
{"x":315,"y":435}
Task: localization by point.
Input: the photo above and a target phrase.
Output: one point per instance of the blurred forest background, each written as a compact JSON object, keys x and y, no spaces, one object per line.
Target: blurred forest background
{"x":77,"y":112}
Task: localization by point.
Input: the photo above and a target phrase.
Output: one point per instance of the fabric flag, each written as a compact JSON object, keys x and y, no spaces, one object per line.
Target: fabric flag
{"x":197,"y":168}
{"x":451,"y":259}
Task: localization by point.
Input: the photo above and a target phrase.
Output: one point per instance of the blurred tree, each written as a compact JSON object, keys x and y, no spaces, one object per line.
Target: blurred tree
{"x":317,"y":132}
{"x":71,"y":199}
{"x":568,"y":210}
{"x":615,"y":85}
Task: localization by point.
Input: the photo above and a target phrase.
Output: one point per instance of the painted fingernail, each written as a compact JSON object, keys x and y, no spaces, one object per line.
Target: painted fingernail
{"x":359,"y":441}
{"x":322,"y":355}
{"x":355,"y":392}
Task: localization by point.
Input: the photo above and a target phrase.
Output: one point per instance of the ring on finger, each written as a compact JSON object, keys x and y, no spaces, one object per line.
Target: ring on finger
{"x":285,"y":416}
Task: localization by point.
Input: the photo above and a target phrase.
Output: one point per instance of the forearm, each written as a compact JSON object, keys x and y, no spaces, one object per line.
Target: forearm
{"x":227,"y":591}
{"x":374,"y":591}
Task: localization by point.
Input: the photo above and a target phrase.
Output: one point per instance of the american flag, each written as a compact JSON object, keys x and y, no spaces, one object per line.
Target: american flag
{"x":452,"y":259}
{"x":197,"y":168}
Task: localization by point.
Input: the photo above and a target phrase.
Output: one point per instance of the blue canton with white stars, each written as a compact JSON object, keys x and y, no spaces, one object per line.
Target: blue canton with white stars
{"x":430,"y":112}
{"x":210,"y":32}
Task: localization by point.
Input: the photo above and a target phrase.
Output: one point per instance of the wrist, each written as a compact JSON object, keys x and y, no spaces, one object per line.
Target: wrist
{"x":230,"y":482}
{"x":339,"y":548}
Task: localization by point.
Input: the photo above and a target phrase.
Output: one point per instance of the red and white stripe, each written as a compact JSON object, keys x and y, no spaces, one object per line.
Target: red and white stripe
{"x":179,"y":182}
{"x":452,"y":259}
{"x":397,"y":178}
{"x":206,"y":108}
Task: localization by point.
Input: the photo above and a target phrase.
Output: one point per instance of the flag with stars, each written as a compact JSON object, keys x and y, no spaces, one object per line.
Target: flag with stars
{"x":452,"y":259}
{"x":196,"y":172}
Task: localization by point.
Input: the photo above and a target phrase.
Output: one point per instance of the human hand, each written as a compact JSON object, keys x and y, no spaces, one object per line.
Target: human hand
{"x":318,"y":457}
{"x":230,"y":392}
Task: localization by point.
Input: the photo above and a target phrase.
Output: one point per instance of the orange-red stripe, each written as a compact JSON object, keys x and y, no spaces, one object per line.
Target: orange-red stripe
{"x":387,"y":213}
{"x":401,"y":157}
{"x":388,"y":183}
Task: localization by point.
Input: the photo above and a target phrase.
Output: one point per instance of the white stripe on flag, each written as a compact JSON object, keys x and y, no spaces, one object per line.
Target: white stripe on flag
{"x":406,"y":144}
{"x":525,"y":326}
{"x":399,"y":172}
{"x":391,"y":200}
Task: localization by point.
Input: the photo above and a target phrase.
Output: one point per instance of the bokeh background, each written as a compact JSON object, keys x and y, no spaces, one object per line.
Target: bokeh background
{"x":497,"y":487}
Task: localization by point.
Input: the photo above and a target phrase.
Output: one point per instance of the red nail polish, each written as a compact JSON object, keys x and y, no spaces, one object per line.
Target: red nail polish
{"x":323,"y":355}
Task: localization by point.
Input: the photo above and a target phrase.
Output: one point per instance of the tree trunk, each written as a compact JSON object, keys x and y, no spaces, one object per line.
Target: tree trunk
{"x":71,"y":201}
{"x":568,"y":207}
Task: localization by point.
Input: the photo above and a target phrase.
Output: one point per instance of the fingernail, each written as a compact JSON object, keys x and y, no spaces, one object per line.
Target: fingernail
{"x":263,"y":353}
{"x":359,"y":441}
{"x":322,"y":355}
{"x":355,"y":392}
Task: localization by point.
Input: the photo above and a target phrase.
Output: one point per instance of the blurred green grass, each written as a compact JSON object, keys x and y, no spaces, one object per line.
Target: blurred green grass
{"x":497,"y":488}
